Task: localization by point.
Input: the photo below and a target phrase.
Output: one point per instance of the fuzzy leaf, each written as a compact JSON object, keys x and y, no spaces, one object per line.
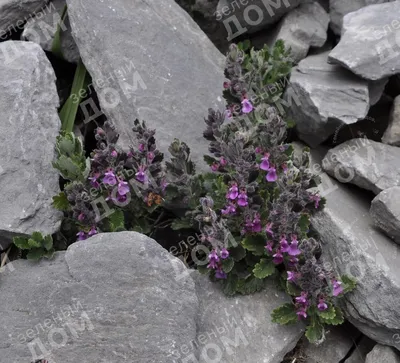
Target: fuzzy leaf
{"x":349,"y":284}
{"x":33,"y":243}
{"x":237,"y":253}
{"x":48,"y":242}
{"x":255,"y":244}
{"x":328,"y":314}
{"x":292,"y":289}
{"x":35,"y":254}
{"x":37,"y":236}
{"x":227,"y":265}
{"x":284,"y":315}
{"x":203,"y":269}
{"x":21,"y":243}
{"x":250,"y":285}
{"x":264,"y":269}
{"x":117,"y":220}
{"x":60,"y":202}
{"x":230,"y":285}
{"x":315,"y":332}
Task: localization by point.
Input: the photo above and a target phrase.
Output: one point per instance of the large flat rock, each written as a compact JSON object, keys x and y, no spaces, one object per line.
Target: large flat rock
{"x":369,"y":43}
{"x":29,"y":125}
{"x":112,"y":298}
{"x":149,"y":60}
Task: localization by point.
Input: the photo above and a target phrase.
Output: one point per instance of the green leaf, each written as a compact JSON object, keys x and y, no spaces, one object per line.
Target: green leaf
{"x":60,"y":202}
{"x":117,"y":220}
{"x":70,"y":108}
{"x":49,"y":254}
{"x":284,"y":315}
{"x":250,"y":285}
{"x":209,"y":159}
{"x":37,"y":236}
{"x":315,"y":331}
{"x":178,"y":224}
{"x":328,"y":314}
{"x":227,"y":265}
{"x":230,"y":285}
{"x":292,"y":289}
{"x":35,"y":254}
{"x":21,"y":243}
{"x":33,"y":243}
{"x":56,"y":46}
{"x":48,"y":242}
{"x":339,"y":318}
{"x":255,"y":244}
{"x":264,"y":269}
{"x":237,"y":253}
{"x":349,"y":284}
{"x":203,"y":269}
{"x":304,"y":223}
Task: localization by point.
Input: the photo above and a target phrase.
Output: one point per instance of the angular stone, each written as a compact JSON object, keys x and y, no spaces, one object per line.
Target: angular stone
{"x":382,"y":354}
{"x":385,"y":212}
{"x":368,"y":164}
{"x":339,"y":8}
{"x":392,"y":133}
{"x":29,"y":125}
{"x":322,"y":97}
{"x":14,"y":13}
{"x":149,"y":61}
{"x":113,"y":298}
{"x":302,"y":28}
{"x":42,"y":29}
{"x":352,"y":246}
{"x":371,"y":33}
{"x":246,"y":333}
{"x":338,"y":343}
{"x":362,"y":348}
{"x":252,"y":16}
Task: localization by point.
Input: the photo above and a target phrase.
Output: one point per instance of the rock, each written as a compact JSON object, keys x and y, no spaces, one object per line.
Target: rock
{"x":382,"y":354}
{"x":302,"y":28}
{"x":368,"y":164}
{"x":42,"y":28}
{"x":113,"y":298}
{"x":322,"y":97}
{"x":338,"y":343}
{"x":385,"y":212}
{"x":392,"y":133}
{"x":248,"y":327}
{"x":352,"y":246}
{"x":14,"y":13}
{"x":168,"y":73}
{"x":361,"y":350}
{"x":29,"y":125}
{"x":371,"y":34}
{"x":249,"y":18}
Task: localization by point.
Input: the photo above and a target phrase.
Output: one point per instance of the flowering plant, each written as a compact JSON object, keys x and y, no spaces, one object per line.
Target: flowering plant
{"x":255,"y":218}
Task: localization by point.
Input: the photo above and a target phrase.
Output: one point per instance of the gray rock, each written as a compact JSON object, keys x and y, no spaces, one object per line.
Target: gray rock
{"x":352,"y":246}
{"x":322,"y":97}
{"x":338,"y":343}
{"x":253,"y":16}
{"x":149,"y":61}
{"x":392,"y":133}
{"x":302,"y":28}
{"x":14,"y":13}
{"x":368,"y":164}
{"x":249,"y":335}
{"x":385,"y":212}
{"x":371,"y":34}
{"x":42,"y":28}
{"x":113,"y":298}
{"x":361,"y":350}
{"x":382,"y":354}
{"x":29,"y":125}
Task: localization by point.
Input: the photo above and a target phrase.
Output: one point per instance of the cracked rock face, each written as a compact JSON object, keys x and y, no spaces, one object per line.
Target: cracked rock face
{"x":383,"y":354}
{"x":29,"y":125}
{"x":150,"y":60}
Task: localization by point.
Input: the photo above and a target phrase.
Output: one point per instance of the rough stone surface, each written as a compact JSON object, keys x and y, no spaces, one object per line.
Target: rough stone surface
{"x":385,"y":212}
{"x":259,"y":340}
{"x":41,"y":30}
{"x":261,"y":18}
{"x":302,"y":28}
{"x":15,"y":12}
{"x":322,"y":97}
{"x":368,"y":164}
{"x":177,"y":73}
{"x":339,"y":8}
{"x":363,"y":347}
{"x":368,"y":45}
{"x":352,"y":246}
{"x":29,"y":125}
{"x":338,"y":343}
{"x":382,"y":354}
{"x":127,"y":304}
{"x":392,"y":133}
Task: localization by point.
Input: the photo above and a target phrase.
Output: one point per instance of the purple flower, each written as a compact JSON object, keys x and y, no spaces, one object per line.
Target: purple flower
{"x":150,"y":157}
{"x":257,"y":224}
{"x":223,"y":161}
{"x":258,"y":150}
{"x":114,"y":154}
{"x":278,"y":257}
{"x":92,"y":231}
{"x":268,"y":229}
{"x":229,"y":209}
{"x":322,"y":305}
{"x":129,"y":154}
{"x":123,"y":188}
{"x":110,"y":178}
{"x":142,"y":148}
{"x":265,"y":162}
{"x":81,"y":217}
{"x":316,"y":198}
{"x":272,"y":176}
{"x":213,"y":260}
{"x":302,"y":299}
{"x":247,"y":107}
{"x":81,"y":236}
{"x":284,"y":245}
{"x":233,"y":192}
{"x":337,"y":288}
{"x":215,"y":167}
{"x":93,"y":181}
{"x":269,"y":246}
{"x":219,"y":274}
{"x":293,"y":248}
{"x":140,"y":175}
{"x":228,"y":114}
{"x":224,"y":253}
{"x":227,"y":84}
{"x":293,"y":261}
{"x":242,"y":199}
{"x":301,"y":313}
{"x":291,"y":276}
